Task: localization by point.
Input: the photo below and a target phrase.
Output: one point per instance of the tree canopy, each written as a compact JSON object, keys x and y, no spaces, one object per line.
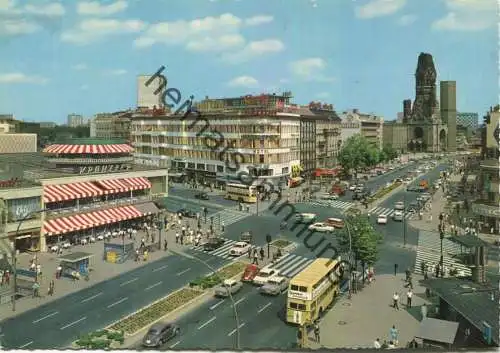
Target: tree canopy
{"x":365,"y":239}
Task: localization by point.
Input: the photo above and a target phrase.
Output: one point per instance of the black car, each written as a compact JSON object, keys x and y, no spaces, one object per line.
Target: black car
{"x":412,"y":188}
{"x":213,"y":244}
{"x":201,"y":196}
{"x":186,"y":213}
{"x":159,"y":334}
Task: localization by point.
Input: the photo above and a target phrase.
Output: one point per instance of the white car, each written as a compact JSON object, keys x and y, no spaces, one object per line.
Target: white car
{"x":352,"y":187}
{"x":329,"y":196}
{"x":397,"y":216}
{"x":400,"y":205}
{"x":239,"y":248}
{"x":305,"y":217}
{"x":264,"y":275}
{"x":382,"y":219}
{"x":321,"y":227}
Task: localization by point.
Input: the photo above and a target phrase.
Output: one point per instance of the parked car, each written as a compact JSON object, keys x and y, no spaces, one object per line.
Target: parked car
{"x":264,"y":275}
{"x":382,"y":219}
{"x":321,"y":227}
{"x":213,"y":243}
{"x":184,"y":212}
{"x":201,"y":196}
{"x":159,"y":334}
{"x":250,"y":272}
{"x":239,"y":248}
{"x":275,"y":286}
{"x":246,"y":237}
{"x":229,"y":286}
{"x":305,"y":217}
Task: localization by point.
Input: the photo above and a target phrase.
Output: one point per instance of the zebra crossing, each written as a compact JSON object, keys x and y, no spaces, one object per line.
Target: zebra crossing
{"x":428,"y":251}
{"x":378,"y":211}
{"x":229,"y":216}
{"x":344,"y":205}
{"x":222,"y":252}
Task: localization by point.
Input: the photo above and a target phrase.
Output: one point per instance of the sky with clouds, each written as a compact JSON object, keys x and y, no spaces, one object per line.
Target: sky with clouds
{"x":61,"y":57}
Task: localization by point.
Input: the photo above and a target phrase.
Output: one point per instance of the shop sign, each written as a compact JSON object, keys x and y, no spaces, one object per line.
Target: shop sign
{"x":20,"y":208}
{"x":485,"y":210}
{"x":103,"y":168}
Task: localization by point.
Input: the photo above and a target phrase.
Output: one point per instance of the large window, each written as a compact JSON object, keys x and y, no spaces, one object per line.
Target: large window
{"x":21,"y":208}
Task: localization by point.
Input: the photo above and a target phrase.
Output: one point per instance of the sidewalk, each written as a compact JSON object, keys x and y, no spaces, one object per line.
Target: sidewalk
{"x":356,"y":323}
{"x":101,"y":271}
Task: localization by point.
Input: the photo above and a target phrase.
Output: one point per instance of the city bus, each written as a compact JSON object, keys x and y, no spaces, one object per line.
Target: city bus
{"x":312,"y":291}
{"x":241,"y":193}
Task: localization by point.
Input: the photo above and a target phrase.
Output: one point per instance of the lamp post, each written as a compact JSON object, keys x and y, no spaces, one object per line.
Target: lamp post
{"x":404,"y":220}
{"x":347,"y":223}
{"x":14,"y":255}
{"x":441,"y":259}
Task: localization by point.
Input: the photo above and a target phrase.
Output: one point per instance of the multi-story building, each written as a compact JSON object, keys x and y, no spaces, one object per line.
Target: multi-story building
{"x":76,"y":120}
{"x":266,"y":142}
{"x":486,"y":207}
{"x":371,"y":125}
{"x":395,"y":135}
{"x":111,"y":125}
{"x":18,"y":143}
{"x":47,"y":125}
{"x":85,"y":186}
{"x":150,"y":96}
{"x":491,"y":133}
{"x":468,"y":120}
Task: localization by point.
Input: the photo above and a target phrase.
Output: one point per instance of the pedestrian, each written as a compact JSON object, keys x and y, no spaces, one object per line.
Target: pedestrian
{"x":316,"y":332}
{"x":255,"y":258}
{"x":51,"y":288}
{"x":385,"y":345}
{"x":250,"y":252}
{"x":165,"y":245}
{"x":261,"y":251}
{"x":36,"y":290}
{"x":145,"y":255}
{"x":223,"y":227}
{"x":395,"y":269}
{"x":137,"y":255}
{"x":407,"y":274}
{"x":182,"y":239}
{"x":177,"y":237}
{"x":423,"y":311}
{"x":409,"y":295}
{"x":377,"y":344}
{"x":395,"y":301}
{"x":393,"y":335}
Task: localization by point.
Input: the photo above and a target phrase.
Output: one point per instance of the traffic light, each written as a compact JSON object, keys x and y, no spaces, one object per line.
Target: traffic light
{"x":441,"y":234}
{"x":268,"y":238}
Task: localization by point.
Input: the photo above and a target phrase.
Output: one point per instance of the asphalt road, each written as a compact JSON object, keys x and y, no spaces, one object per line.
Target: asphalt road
{"x":188,"y":193}
{"x":58,"y":323}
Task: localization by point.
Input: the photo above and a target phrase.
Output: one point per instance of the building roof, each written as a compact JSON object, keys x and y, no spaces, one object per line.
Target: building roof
{"x":88,"y":148}
{"x":469,"y":241}
{"x":436,"y":330}
{"x":314,"y":272}
{"x":90,"y":141}
{"x":476,"y":302}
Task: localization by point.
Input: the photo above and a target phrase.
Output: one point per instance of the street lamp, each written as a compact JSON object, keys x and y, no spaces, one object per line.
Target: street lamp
{"x":14,"y":254}
{"x":441,"y":260}
{"x":404,"y":219}
{"x":347,"y":223}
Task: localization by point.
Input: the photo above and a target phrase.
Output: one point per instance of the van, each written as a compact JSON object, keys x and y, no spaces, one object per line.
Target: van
{"x":335,"y":222}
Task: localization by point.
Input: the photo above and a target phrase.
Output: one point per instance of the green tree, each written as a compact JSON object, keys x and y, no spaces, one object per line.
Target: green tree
{"x":365,"y":240}
{"x":357,"y":153}
{"x":390,"y":152}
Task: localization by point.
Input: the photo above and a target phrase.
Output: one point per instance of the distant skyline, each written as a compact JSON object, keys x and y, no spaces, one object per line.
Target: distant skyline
{"x":83,"y":57}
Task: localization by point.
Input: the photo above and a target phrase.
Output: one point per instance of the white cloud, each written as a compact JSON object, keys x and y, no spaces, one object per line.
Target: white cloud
{"x":18,"y":27}
{"x":310,"y":69}
{"x":117,"y":72}
{"x":92,"y":30}
{"x":258,"y":20}
{"x":216,"y":34}
{"x":95,"y":8}
{"x":379,"y":8}
{"x":406,"y":20}
{"x":18,"y":77}
{"x":79,"y":67}
{"x":47,"y":10}
{"x":243,"y":81}
{"x":468,"y":15}
{"x":255,"y":49}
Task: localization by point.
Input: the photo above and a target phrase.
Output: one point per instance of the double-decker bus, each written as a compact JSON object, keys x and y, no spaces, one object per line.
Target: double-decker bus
{"x":312,"y":291}
{"x":241,"y":193}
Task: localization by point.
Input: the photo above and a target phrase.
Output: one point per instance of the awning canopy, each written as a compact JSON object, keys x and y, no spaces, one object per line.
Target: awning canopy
{"x":55,"y":193}
{"x":89,"y":149}
{"x":124,"y":185}
{"x":89,"y":220}
{"x":147,"y":208}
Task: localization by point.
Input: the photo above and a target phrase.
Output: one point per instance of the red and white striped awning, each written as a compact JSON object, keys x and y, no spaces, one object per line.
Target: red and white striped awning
{"x":89,"y":149}
{"x":124,"y":185}
{"x":64,"y":192}
{"x":83,"y":221}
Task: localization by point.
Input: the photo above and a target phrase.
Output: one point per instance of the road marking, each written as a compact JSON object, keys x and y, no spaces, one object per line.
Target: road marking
{"x":233,"y":331}
{"x":183,"y":272}
{"x":239,"y":301}
{"x":26,"y":345}
{"x":206,"y":323}
{"x":160,"y":268}
{"x":73,"y":323}
{"x":118,"y":302}
{"x":216,"y":305}
{"x":264,"y":307}
{"x":154,"y":285}
{"x":175,"y":344}
{"x":46,"y":317}
{"x":129,"y":281}
{"x":92,"y":297}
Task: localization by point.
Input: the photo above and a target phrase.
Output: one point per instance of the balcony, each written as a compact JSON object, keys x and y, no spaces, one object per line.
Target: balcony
{"x":486,"y":208}
{"x":93,"y":161}
{"x":70,"y":211}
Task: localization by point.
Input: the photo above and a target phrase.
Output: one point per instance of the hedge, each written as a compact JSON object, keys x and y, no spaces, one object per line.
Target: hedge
{"x":218,"y":277}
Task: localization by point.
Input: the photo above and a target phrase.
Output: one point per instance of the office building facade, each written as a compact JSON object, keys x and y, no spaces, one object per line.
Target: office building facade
{"x":370,"y":126}
{"x":468,"y":120}
{"x":76,"y":120}
{"x":111,"y":126}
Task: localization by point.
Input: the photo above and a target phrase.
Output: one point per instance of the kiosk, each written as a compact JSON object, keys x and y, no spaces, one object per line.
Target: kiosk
{"x":75,"y":265}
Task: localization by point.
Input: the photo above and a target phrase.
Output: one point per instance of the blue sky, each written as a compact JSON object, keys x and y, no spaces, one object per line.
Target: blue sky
{"x":83,"y":57}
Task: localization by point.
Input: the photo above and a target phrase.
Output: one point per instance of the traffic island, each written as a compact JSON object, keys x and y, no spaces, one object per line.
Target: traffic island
{"x":216,"y":278}
{"x":100,"y":340}
{"x":284,"y":245}
{"x":384,"y":191}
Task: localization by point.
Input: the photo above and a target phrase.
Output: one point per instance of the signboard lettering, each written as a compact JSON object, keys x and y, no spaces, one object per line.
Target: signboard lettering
{"x":103,"y":168}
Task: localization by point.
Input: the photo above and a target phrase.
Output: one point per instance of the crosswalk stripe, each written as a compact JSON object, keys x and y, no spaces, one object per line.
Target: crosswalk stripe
{"x":300,"y":268}
{"x":284,"y":267}
{"x":224,"y":248}
{"x":296,"y":265}
{"x":285,"y":260}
